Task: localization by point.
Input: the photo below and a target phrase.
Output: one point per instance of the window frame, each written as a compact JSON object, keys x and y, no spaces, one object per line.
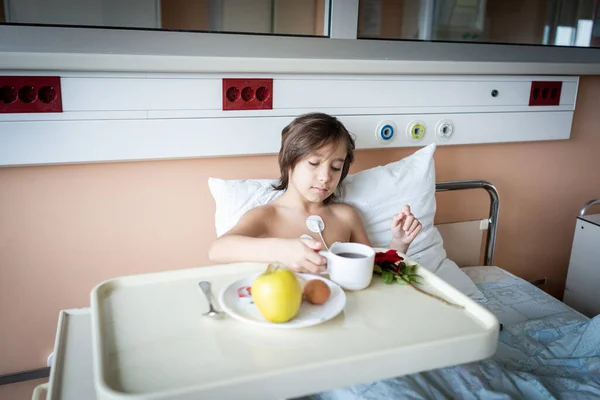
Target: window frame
{"x":28,"y":47}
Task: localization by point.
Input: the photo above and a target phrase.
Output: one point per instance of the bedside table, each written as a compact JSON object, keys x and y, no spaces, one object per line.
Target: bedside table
{"x":583,"y":277}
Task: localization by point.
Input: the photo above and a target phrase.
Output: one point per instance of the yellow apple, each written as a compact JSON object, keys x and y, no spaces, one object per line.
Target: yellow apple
{"x":277,"y":294}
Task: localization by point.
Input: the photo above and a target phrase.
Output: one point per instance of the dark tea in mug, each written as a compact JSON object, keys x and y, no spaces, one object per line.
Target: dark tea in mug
{"x":351,"y":255}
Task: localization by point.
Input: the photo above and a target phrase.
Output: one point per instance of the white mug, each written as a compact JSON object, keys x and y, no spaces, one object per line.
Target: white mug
{"x":350,"y":265}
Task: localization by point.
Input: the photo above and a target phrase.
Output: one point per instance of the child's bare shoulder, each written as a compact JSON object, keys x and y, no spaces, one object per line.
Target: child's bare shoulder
{"x":254,"y":222}
{"x":344,"y":211}
{"x":260,"y":212}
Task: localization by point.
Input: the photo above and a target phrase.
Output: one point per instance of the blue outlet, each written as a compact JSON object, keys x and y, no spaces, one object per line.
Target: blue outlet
{"x":386,"y":132}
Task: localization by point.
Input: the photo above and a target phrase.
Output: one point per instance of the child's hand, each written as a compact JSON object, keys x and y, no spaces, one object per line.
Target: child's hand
{"x":301,"y":255}
{"x":405,"y":227}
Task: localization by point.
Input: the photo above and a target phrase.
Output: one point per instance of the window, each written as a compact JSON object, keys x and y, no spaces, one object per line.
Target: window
{"x":284,"y":17}
{"x":534,"y":22}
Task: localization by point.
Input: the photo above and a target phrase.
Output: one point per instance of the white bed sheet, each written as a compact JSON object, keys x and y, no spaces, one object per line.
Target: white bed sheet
{"x":514,"y":300}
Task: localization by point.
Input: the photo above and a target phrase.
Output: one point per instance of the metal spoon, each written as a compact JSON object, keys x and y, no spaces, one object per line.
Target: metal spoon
{"x":212,"y":312}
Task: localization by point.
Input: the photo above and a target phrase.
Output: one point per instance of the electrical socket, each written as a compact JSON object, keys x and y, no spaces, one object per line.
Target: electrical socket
{"x":545,"y":93}
{"x":247,"y":94}
{"x":30,"y":94}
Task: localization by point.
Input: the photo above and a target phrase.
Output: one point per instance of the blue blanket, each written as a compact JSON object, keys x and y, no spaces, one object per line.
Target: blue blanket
{"x":553,"y":353}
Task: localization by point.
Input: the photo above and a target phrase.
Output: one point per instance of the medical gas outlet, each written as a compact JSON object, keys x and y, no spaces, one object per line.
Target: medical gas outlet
{"x":386,"y":132}
{"x":416,"y":130}
{"x":444,"y":128}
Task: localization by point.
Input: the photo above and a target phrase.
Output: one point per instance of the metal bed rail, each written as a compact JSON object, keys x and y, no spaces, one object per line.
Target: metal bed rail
{"x":494,"y":209}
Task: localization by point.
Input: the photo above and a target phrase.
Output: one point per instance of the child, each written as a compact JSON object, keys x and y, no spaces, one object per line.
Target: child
{"x":315,"y":156}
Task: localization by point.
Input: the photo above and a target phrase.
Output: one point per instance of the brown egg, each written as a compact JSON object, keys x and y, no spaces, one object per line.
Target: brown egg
{"x":316,"y":291}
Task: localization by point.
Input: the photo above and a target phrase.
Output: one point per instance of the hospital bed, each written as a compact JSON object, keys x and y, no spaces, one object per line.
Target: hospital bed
{"x":546,"y":349}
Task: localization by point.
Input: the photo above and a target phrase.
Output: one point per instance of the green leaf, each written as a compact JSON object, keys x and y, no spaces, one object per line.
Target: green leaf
{"x":400,"y":272}
{"x":388,"y":276}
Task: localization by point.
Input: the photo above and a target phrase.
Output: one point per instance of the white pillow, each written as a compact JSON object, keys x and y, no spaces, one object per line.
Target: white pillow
{"x":377,"y":194}
{"x":234,"y":197}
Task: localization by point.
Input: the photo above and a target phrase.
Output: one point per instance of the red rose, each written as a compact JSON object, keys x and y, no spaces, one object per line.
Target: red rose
{"x":390,"y":255}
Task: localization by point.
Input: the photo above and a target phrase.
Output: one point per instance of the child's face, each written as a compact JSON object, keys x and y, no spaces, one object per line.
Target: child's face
{"x":317,"y":175}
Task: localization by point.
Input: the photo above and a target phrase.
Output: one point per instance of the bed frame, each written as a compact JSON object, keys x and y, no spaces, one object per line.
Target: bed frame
{"x":492,"y":220}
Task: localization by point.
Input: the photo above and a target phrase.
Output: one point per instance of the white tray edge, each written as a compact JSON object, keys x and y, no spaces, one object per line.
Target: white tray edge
{"x":487,"y":340}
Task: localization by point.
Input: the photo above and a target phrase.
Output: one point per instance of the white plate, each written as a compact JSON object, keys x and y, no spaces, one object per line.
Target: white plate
{"x":308,"y":315}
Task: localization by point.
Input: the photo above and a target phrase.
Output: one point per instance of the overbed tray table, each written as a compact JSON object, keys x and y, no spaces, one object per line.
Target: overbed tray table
{"x":151,"y":341}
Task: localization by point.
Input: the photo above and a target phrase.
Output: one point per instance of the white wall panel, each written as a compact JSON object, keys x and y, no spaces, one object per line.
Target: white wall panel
{"x":135,"y":117}
{"x":284,"y":112}
{"x":293,"y":92}
{"x":569,"y":92}
{"x":133,"y":93}
{"x":38,"y":142}
{"x":405,"y":93}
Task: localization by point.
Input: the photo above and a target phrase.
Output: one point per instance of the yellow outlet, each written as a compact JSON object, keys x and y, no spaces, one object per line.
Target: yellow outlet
{"x":416,"y":130}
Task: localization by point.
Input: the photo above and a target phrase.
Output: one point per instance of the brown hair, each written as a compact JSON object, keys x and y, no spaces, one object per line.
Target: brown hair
{"x":305,"y":135}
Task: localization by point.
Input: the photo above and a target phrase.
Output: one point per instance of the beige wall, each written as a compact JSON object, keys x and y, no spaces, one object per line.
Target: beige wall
{"x":290,"y":16}
{"x":184,"y":14}
{"x":247,"y":16}
{"x":295,"y":17}
{"x":516,"y":21}
{"x":319,"y":17}
{"x":65,"y":228}
{"x":392,"y":14}
{"x":21,"y":390}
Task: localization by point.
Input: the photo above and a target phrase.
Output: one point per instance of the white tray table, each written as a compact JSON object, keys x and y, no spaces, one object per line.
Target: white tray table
{"x":150,"y":340}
